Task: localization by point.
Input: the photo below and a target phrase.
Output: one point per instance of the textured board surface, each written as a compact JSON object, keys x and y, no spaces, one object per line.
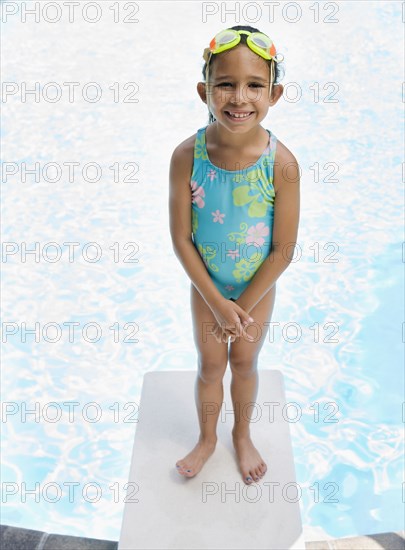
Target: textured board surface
{"x":215,"y":509}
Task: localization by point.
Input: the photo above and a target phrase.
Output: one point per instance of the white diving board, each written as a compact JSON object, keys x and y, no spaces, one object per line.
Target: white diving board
{"x":214,"y":509}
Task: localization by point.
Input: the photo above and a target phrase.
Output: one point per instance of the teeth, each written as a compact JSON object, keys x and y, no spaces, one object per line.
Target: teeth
{"x":239,"y":115}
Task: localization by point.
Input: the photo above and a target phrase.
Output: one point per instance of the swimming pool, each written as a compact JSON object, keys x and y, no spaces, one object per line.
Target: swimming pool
{"x":339,"y":339}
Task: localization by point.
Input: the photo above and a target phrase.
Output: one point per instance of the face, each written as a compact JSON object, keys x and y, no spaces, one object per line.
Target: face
{"x":238,"y":91}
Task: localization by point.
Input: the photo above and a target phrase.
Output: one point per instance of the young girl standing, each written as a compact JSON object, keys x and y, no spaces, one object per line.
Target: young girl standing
{"x":234,"y":213}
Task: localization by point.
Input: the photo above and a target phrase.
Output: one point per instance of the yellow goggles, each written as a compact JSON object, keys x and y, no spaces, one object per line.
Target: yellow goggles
{"x":258,"y":42}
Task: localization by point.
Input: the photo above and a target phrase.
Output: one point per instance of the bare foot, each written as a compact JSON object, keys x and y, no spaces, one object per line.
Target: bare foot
{"x":251,"y":463}
{"x":191,"y":464}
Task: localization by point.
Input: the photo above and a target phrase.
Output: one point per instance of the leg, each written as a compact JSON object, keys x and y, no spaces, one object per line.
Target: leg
{"x":208,"y":390}
{"x":243,"y":358}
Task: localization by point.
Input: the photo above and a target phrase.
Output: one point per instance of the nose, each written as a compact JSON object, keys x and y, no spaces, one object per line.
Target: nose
{"x":238,"y":95}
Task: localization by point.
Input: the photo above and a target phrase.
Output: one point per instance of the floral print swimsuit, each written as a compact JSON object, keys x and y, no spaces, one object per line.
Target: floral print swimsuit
{"x":232,"y":216}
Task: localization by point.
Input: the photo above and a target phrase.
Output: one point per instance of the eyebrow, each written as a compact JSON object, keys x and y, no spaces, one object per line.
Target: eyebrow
{"x":250,"y":77}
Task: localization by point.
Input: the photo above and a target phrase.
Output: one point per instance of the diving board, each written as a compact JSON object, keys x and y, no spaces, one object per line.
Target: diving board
{"x":215,"y":509}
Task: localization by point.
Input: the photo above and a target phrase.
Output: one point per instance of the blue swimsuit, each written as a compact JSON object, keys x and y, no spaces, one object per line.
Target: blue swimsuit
{"x":232,"y":216}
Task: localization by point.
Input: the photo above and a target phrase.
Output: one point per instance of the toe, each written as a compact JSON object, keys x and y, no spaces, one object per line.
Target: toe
{"x":253,"y":474}
{"x":248,"y":477}
{"x":180,"y":467}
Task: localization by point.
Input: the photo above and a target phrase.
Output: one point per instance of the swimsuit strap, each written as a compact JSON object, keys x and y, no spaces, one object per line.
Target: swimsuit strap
{"x":272,"y":141}
{"x":200,"y":150}
{"x":200,"y":154}
{"x":272,"y":146}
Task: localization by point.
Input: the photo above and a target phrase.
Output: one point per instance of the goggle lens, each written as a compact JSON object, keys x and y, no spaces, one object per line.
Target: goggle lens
{"x":261,"y":42}
{"x":226,"y":38}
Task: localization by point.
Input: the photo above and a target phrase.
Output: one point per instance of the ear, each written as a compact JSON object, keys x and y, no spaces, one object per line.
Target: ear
{"x":276,"y":93}
{"x":202,"y":91}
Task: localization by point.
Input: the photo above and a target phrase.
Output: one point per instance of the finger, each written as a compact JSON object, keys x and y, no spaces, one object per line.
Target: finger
{"x":215,"y":334}
{"x":231,"y":335}
{"x":225,"y":334}
{"x":245,"y":317}
{"x":242,"y":333}
{"x":237,"y":330}
{"x":242,"y":326}
{"x":246,"y":335}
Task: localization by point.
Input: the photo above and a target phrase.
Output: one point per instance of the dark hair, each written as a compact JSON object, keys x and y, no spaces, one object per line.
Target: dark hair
{"x":278,"y":68}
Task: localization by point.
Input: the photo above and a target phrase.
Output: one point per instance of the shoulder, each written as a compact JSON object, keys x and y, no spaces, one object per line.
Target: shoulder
{"x":286,"y":167}
{"x":181,"y":162}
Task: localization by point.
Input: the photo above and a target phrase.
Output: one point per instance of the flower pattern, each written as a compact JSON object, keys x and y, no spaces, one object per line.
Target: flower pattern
{"x":244,"y":270}
{"x":212,"y":174}
{"x":200,"y":151}
{"x":258,"y":193}
{"x":232,"y":254}
{"x":194,"y":221}
{"x":218,"y":217}
{"x":239,"y":236}
{"x":256,"y":234}
{"x":246,"y":267}
{"x":197,"y":194}
{"x":208,"y":254}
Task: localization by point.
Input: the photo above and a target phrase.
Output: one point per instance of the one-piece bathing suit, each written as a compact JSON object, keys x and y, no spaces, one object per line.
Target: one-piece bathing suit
{"x":232,"y":216}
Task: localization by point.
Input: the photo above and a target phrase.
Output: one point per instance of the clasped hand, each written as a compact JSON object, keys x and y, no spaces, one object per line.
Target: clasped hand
{"x":231,"y":321}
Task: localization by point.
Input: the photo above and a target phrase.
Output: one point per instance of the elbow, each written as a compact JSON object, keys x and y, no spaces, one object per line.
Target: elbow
{"x":285,"y":253}
{"x":175,"y":248}
{"x":179,"y":244}
{"x":289,"y":252}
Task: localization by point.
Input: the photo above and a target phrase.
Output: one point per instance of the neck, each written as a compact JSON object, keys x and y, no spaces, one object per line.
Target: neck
{"x":224,"y":138}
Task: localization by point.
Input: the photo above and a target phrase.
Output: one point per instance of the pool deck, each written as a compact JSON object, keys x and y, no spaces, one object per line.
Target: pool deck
{"x":17,"y":538}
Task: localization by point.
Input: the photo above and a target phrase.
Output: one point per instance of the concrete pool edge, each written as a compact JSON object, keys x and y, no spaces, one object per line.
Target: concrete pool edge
{"x":18,"y":538}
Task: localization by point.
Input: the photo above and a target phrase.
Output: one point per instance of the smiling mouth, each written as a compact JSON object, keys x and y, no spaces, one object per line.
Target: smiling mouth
{"x":239,"y":115}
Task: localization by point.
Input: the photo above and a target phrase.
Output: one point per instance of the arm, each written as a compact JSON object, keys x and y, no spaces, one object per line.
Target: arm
{"x":180,"y":224}
{"x":286,"y":217}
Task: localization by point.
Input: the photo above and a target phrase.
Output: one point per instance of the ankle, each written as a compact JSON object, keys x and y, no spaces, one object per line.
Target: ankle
{"x":208,"y":439}
{"x":239,"y":434}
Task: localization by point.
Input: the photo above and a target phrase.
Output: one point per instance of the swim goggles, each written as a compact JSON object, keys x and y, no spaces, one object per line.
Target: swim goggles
{"x":258,"y":42}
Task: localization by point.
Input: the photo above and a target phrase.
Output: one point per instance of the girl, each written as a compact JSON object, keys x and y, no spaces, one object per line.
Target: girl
{"x":234,"y":212}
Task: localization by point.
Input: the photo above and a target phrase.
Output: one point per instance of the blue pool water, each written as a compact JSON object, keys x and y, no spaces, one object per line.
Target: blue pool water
{"x":346,"y":285}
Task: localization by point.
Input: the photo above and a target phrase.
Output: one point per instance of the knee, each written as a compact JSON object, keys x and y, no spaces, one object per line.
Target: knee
{"x":211,"y":372}
{"x":243,"y":366}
